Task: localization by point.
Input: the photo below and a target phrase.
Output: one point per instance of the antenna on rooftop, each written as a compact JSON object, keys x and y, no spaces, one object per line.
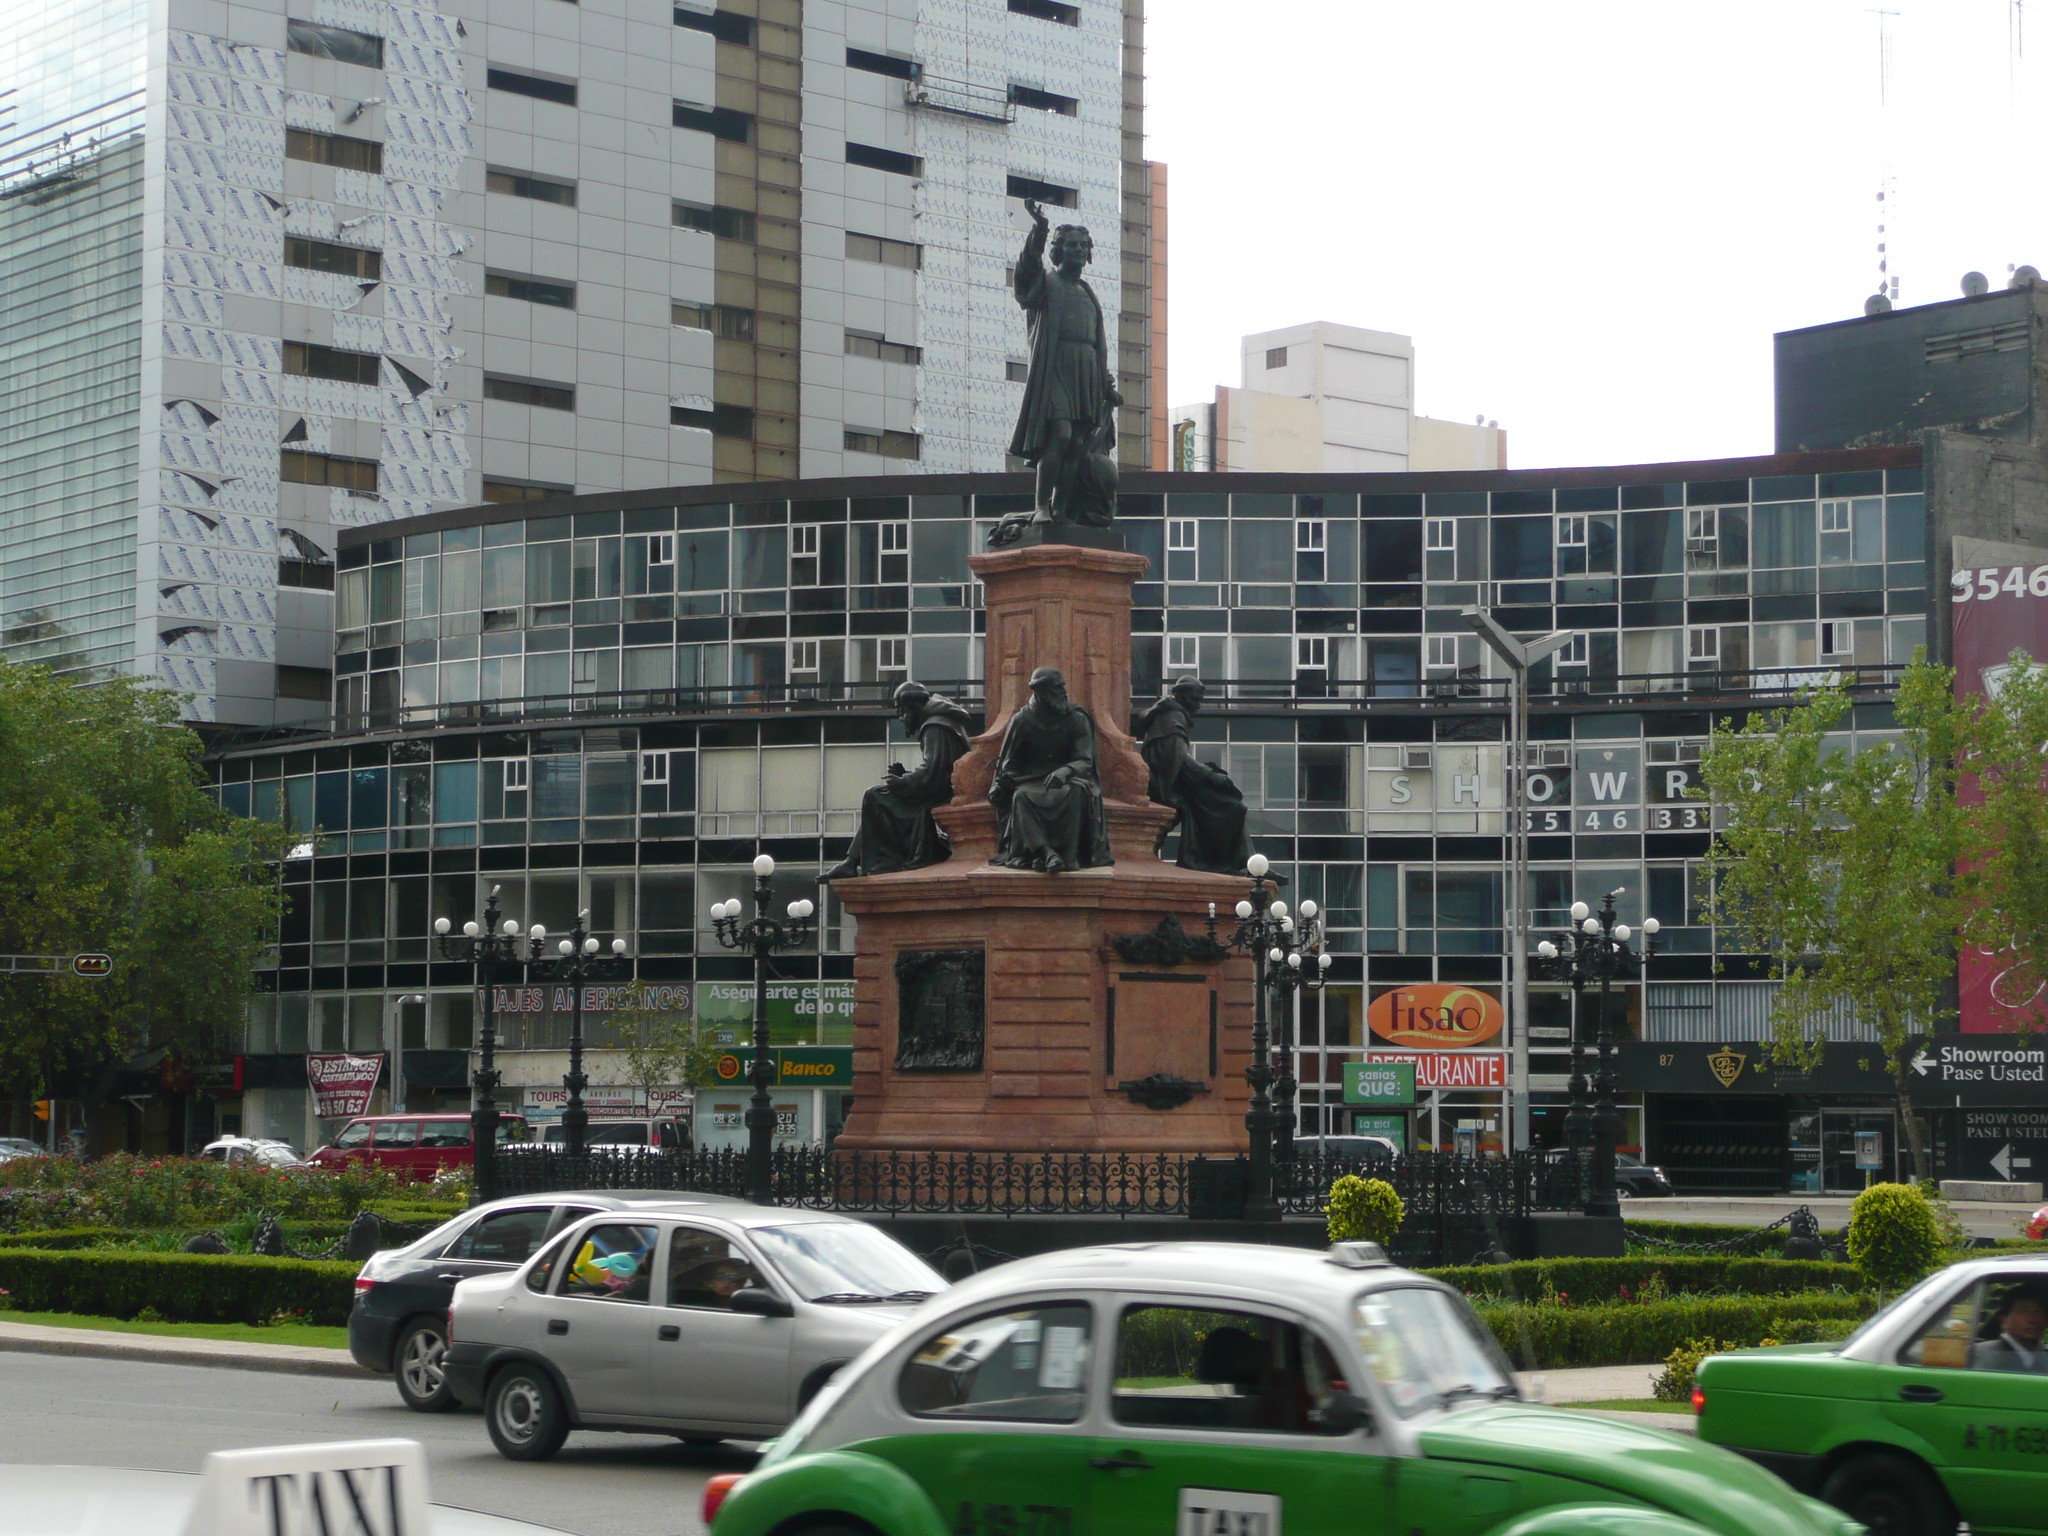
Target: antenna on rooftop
{"x":1887,"y":185}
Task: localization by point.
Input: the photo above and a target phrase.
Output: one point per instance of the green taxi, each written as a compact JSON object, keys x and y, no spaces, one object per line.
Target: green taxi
{"x":1211,"y":1389}
{"x":1935,"y":1411}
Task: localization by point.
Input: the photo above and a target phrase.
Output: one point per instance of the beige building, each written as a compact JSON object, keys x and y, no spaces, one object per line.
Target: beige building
{"x":1327,"y":397}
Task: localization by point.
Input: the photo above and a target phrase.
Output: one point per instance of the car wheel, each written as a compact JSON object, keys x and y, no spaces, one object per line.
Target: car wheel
{"x":524,"y":1414}
{"x":418,"y":1364}
{"x":1890,"y":1495}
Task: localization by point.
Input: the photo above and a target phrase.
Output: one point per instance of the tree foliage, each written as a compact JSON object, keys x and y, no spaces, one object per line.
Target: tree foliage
{"x":109,"y":842}
{"x":2005,"y":884}
{"x":1838,"y":867}
{"x":662,"y":1048}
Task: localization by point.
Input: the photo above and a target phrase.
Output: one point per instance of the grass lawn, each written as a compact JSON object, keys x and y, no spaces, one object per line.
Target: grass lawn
{"x":1632,"y":1405}
{"x":240,"y":1333}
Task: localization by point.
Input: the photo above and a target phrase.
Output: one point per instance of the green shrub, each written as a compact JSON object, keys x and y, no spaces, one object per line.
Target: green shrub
{"x":1681,"y":1366}
{"x":1894,"y":1237}
{"x":1368,"y":1210}
{"x":1812,"y":1330}
{"x":1589,"y":1281}
{"x":1556,"y":1338}
{"x":181,"y":1287}
{"x":41,"y":1193}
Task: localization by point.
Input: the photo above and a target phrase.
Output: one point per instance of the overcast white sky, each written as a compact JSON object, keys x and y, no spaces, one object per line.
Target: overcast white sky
{"x":1589,"y":216}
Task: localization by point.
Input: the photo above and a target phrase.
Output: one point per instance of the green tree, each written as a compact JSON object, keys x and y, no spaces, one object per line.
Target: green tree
{"x":2005,"y":881}
{"x":662,"y":1048}
{"x":1838,"y":867}
{"x":109,"y":841}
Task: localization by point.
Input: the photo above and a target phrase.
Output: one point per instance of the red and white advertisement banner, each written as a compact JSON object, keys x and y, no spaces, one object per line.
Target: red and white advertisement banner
{"x":342,"y":1084}
{"x":1452,"y":1069}
{"x":1999,"y":595}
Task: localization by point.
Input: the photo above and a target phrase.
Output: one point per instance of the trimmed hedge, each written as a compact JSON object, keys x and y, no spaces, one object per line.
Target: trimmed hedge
{"x":1557,"y":1338}
{"x":182,"y":1287}
{"x":63,"y":1238}
{"x":1590,"y":1281}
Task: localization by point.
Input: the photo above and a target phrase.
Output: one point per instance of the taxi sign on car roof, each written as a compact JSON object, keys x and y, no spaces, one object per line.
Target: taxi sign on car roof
{"x":1357,"y":1255}
{"x":351,"y":1488}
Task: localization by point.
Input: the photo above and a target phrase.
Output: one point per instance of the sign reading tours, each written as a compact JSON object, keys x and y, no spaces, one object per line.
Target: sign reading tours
{"x":342,"y":1084}
{"x":1436,"y":1018}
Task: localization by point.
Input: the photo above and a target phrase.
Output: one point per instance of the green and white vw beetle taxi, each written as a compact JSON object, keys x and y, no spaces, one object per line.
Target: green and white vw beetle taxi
{"x":1185,"y":1388}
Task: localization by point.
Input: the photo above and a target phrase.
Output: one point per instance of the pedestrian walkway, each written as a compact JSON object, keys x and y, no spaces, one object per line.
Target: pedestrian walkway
{"x":1980,"y":1218}
{"x":164,"y":1349}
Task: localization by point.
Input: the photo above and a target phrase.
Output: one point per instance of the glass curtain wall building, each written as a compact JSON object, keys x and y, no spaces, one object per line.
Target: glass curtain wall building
{"x":613,"y":703}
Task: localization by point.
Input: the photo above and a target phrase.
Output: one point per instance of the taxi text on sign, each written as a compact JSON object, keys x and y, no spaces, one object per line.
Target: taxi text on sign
{"x":1435,"y":1018}
{"x":351,"y":1488}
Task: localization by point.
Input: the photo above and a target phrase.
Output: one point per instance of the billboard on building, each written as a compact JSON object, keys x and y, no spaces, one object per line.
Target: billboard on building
{"x":1430,"y":1017}
{"x":342,"y":1085}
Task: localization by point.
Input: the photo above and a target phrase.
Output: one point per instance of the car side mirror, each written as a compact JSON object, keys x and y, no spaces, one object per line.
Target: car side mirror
{"x":1342,"y":1412}
{"x":756,"y":1302}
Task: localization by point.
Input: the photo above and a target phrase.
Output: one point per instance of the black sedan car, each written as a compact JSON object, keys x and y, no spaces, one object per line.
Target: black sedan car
{"x":399,"y":1325}
{"x":1636,"y":1178}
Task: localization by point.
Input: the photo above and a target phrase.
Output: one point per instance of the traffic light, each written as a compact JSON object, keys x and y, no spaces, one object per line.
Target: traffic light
{"x":92,"y":965}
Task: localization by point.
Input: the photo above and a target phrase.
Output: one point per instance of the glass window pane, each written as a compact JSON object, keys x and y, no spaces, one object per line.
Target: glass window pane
{"x":455,"y":791}
{"x":729,"y":779}
{"x":701,"y":560}
{"x":1189,"y":1369}
{"x":611,"y":1264}
{"x":789,"y":779}
{"x":1260,"y":553}
{"x":608,"y":785}
{"x":763,"y":561}
{"x":1028,"y":1365}
{"x":557,"y":784}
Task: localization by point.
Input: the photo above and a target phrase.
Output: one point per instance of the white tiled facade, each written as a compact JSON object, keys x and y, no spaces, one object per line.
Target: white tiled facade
{"x":222,"y":201}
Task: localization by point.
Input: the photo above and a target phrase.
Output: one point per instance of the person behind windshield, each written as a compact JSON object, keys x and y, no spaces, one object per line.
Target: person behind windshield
{"x":2022,"y":1319}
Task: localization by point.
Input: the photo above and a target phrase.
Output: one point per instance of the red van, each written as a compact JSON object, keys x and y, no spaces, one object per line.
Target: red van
{"x":415,"y":1146}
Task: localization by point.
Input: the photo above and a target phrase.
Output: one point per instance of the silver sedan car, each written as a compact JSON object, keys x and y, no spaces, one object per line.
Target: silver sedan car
{"x":703,"y":1320}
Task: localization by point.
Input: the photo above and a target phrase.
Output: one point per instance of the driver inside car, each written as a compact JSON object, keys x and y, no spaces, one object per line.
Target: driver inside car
{"x":2021,"y":1321}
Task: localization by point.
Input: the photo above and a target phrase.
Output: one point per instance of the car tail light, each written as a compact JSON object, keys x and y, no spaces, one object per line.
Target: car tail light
{"x":1699,"y":1400}
{"x":363,"y":1284}
{"x":715,"y":1492}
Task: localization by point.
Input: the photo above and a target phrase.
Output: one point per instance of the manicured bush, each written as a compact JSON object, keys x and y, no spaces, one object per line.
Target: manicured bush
{"x":40,"y":1193}
{"x":1556,"y":1338}
{"x":1367,"y":1210}
{"x":1592,"y":1281}
{"x":1681,"y":1369}
{"x":1813,"y":1330}
{"x":182,"y":1287}
{"x":59,"y":1239}
{"x":1894,"y":1235}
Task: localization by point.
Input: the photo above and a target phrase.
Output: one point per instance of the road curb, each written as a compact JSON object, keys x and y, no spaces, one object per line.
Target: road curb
{"x":288,"y":1359}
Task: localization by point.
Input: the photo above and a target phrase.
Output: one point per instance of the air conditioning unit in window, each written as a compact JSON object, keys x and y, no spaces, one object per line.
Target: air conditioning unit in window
{"x":1416,"y":759}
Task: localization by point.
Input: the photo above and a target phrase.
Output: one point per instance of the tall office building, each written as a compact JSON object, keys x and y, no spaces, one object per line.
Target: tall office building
{"x":287,"y":268}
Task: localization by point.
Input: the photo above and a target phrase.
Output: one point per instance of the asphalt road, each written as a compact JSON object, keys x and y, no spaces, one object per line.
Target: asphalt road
{"x":60,"y":1409}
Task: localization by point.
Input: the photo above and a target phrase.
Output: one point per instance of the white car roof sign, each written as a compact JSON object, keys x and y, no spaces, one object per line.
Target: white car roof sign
{"x":349,"y":1488}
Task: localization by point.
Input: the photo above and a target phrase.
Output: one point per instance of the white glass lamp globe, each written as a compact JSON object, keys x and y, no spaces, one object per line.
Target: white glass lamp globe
{"x":1622,"y":931}
{"x":718,"y":911}
{"x":1651,"y":927}
{"x":618,"y":946}
{"x":442,"y":925}
{"x":809,"y":906}
{"x":469,"y":929}
{"x":565,"y":948}
{"x":1547,"y":950}
{"x":538,"y":933}
{"x":1580,"y":911}
{"x":1323,"y":962}
{"x":1277,"y":910}
{"x":1590,"y":925}
{"x":1294,"y":962}
{"x":1258,"y":864}
{"x":1276,"y":954}
{"x":590,"y":946}
{"x":511,"y":927}
{"x":1244,"y":909}
{"x":1309,"y":909}
{"x":791,"y":912}
{"x":763,"y":866}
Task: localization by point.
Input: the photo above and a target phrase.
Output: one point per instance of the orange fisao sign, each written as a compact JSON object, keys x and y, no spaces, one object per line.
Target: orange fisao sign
{"x":1435,"y":1018}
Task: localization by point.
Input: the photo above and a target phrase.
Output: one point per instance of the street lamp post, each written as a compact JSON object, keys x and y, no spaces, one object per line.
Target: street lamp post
{"x":397,"y":1023}
{"x":1596,"y":949}
{"x":495,"y":949}
{"x":577,"y":961}
{"x":1259,"y":933}
{"x":1302,"y":966}
{"x":1519,"y":657}
{"x":761,"y":938}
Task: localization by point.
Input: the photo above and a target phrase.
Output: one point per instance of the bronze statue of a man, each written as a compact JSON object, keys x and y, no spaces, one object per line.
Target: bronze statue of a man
{"x":1211,"y":809}
{"x":1047,"y":796}
{"x":1067,"y":426}
{"x":897,"y":830}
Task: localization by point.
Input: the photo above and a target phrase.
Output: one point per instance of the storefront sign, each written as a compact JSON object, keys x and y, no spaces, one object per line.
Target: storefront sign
{"x":1379,"y":1082}
{"x":1451,"y":1069}
{"x":796,"y":1066}
{"x":599,"y":1100}
{"x":342,"y":1085}
{"x":2006,"y":1144}
{"x":1946,"y":1066}
{"x":1436,"y":1018}
{"x":665,"y":998}
{"x":1393,"y":1127}
{"x":799,"y":1012}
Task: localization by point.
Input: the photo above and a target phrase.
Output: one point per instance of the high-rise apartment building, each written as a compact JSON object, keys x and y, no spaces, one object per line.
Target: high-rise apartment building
{"x":285,"y":268}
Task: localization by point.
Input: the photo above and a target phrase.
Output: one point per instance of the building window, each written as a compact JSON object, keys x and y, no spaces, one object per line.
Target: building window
{"x":1571,"y":532}
{"x":1440,"y":534}
{"x":298,"y":466}
{"x":1703,"y":645}
{"x":534,"y":290}
{"x":1183,"y":653}
{"x":654,"y":768}
{"x":498,"y":490}
{"x":336,"y":149}
{"x":661,"y":549}
{"x":803,"y":555}
{"x":539,"y":189}
{"x":304,"y":683}
{"x":544,"y":393}
{"x":890,"y":253}
{"x":514,"y":781}
{"x":871,"y":344}
{"x":1180,"y":535}
{"x":724,"y":223}
{"x":720,"y":122}
{"x":1043,"y":191}
{"x":1441,"y":652}
{"x":1312,"y":653}
{"x":881,"y":64}
{"x":1016,"y":371}
{"x":1048,"y":10}
{"x":1276,"y":357}
{"x":895,"y":553}
{"x":310,"y":360}
{"x":892,"y":654}
{"x":1574,"y":652}
{"x":1311,"y":537}
{"x":1044,"y":101}
{"x":312,"y":575}
{"x":803,"y":657}
{"x":539,"y":87}
{"x":875,"y":158}
{"x":720,"y":421}
{"x":727,"y":321}
{"x":336,"y":43}
{"x":1837,"y":637}
{"x":723,"y":25}
{"x":890,"y":445}
{"x":326,"y":256}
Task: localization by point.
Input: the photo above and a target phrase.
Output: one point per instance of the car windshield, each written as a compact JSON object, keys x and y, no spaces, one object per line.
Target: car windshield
{"x":1426,"y":1350}
{"x":846,"y":1261}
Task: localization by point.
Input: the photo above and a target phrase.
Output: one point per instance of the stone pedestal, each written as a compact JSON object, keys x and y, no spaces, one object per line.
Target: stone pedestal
{"x":992,"y":1008}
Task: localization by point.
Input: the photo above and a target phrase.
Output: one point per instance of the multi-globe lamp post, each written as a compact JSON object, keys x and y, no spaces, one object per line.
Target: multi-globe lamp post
{"x":1298,"y":965}
{"x":762,"y":937}
{"x":1596,"y":949}
{"x":578,"y":960}
{"x":497,"y":950}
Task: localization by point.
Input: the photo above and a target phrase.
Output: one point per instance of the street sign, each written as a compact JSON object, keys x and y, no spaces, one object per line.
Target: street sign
{"x":1379,"y":1082}
{"x":92,"y":965}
